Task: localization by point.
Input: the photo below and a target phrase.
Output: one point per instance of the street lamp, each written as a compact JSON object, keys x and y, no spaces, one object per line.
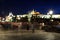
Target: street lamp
{"x":50,"y":12}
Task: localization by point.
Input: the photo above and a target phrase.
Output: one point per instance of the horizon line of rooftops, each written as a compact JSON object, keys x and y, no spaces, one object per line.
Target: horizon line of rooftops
{"x":50,"y":14}
{"x":33,"y":12}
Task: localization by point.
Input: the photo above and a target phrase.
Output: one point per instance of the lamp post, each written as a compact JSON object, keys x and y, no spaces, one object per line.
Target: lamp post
{"x":50,"y":13}
{"x":29,"y":19}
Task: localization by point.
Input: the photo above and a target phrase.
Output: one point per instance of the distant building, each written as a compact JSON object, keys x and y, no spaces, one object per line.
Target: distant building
{"x":29,"y":15}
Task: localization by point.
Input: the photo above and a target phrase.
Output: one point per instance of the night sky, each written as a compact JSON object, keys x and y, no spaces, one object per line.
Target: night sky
{"x":23,"y":6}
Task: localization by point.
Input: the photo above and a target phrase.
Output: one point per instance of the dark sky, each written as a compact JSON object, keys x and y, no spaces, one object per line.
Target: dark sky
{"x":23,"y":6}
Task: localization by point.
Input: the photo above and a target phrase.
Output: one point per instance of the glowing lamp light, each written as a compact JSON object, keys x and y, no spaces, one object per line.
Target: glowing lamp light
{"x":10,"y":14}
{"x":50,"y":12}
{"x":52,"y":20}
{"x":18,"y":18}
{"x":3,"y":20}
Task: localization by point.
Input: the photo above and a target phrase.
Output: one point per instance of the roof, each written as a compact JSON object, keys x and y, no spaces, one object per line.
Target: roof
{"x":34,"y":13}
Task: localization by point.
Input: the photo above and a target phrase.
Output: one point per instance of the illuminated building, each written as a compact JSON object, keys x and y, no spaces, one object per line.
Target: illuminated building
{"x":9,"y":17}
{"x":49,"y":15}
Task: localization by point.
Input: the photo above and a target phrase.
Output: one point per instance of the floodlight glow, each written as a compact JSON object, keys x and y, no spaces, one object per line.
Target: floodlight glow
{"x":10,"y":14}
{"x":24,"y":15}
{"x":3,"y":20}
{"x":17,"y":15}
{"x":52,"y":20}
{"x":18,"y":18}
{"x":50,"y":12}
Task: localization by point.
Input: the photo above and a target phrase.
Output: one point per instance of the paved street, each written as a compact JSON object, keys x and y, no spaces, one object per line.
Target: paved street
{"x":28,"y":35}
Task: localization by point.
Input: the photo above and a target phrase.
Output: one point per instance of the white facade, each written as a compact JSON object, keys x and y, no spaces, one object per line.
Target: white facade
{"x":55,"y":16}
{"x":48,"y":16}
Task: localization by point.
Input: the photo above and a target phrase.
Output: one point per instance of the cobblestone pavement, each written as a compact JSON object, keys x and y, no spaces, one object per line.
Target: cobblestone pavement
{"x":28,"y":35}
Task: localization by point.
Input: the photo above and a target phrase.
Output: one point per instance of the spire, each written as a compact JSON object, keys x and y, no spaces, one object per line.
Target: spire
{"x":32,"y":12}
